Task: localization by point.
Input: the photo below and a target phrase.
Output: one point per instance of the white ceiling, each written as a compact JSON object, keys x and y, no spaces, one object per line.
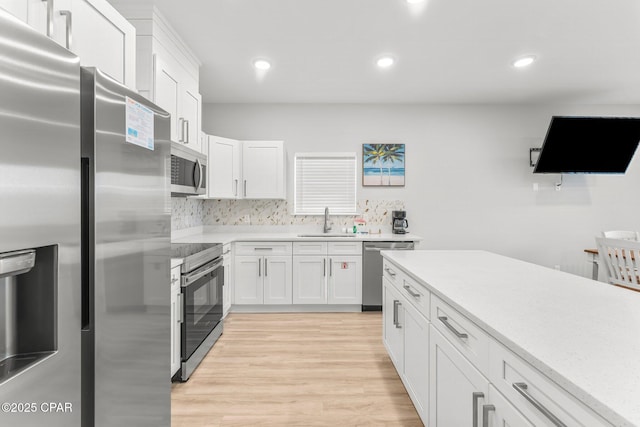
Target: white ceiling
{"x":447,"y":51}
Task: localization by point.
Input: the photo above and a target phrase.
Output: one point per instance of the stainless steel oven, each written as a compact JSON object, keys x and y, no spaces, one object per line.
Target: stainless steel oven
{"x":202,"y":280}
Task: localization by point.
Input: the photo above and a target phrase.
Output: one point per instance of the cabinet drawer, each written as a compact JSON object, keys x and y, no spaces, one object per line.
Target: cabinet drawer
{"x":526,"y":388}
{"x":392,"y":273}
{"x":310,"y":248}
{"x":468,"y":338}
{"x":263,"y":248}
{"x":416,"y":294}
{"x":344,"y":248}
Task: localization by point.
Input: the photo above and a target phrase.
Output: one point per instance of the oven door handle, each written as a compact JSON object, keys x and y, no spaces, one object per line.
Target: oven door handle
{"x":192,"y":277}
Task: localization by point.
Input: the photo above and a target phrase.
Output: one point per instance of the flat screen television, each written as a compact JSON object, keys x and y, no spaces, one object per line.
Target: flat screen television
{"x":589,"y":145}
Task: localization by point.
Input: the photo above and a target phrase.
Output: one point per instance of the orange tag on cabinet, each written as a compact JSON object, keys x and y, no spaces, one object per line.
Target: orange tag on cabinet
{"x":345,"y":265}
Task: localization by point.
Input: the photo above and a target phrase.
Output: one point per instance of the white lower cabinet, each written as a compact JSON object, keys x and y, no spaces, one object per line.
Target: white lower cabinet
{"x":344,"y":280}
{"x":457,"y":389}
{"x":393,"y":335}
{"x":176,"y":319}
{"x":416,"y":358}
{"x":472,"y":379}
{"x":262,"y":273}
{"x":309,"y":279}
{"x":406,"y":337}
{"x":327,"y":273}
{"x":228,"y":279}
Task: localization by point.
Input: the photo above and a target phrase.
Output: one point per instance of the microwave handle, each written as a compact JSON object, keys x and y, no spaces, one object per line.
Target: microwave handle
{"x":198,"y":170}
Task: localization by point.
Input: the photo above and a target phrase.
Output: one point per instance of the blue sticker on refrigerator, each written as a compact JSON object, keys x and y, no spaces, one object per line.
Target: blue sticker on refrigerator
{"x":139,"y":123}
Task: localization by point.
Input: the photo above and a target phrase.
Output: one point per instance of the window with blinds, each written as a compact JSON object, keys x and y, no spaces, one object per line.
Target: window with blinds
{"x":325,"y":180}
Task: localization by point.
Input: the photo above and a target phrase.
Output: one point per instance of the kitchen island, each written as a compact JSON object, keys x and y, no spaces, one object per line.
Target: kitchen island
{"x":579,"y":337}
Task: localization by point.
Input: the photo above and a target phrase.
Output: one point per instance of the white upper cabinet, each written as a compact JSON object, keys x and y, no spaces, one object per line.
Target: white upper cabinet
{"x":223,"y":167}
{"x":92,"y":29}
{"x":166,"y":92}
{"x":168,"y":71}
{"x":246,"y":169}
{"x":263,"y":170}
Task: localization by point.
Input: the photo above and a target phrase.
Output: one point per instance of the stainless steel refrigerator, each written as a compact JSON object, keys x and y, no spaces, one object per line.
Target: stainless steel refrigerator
{"x":84,"y":243}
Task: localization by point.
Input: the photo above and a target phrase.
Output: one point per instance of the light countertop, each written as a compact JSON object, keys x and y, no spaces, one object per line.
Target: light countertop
{"x":582,"y":334}
{"x":229,"y":237}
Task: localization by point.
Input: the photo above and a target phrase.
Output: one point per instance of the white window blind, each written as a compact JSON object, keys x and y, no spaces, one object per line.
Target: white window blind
{"x":325,"y":180}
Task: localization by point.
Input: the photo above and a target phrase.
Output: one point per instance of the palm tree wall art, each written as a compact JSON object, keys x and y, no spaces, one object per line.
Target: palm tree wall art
{"x":383,"y":165}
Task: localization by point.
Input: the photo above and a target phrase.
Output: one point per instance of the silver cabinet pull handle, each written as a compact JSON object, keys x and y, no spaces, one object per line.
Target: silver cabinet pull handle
{"x":49,"y":17}
{"x":413,"y":294}
{"x":485,"y":414}
{"x":188,"y":139}
{"x":522,"y":389}
{"x":395,"y":313}
{"x":235,"y":191}
{"x":390,"y":271}
{"x":68,"y":30}
{"x":396,"y":321}
{"x":449,"y":326}
{"x":265,"y":267}
{"x":245,"y":188}
{"x":181,"y":124}
{"x":330,"y":267}
{"x":476,"y":396}
{"x":324,"y":267}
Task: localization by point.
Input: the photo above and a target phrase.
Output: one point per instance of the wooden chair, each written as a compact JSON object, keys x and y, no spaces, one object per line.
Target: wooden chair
{"x":619,"y":234}
{"x":621,"y":259}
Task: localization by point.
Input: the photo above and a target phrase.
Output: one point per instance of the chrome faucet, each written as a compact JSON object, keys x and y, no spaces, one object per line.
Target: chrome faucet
{"x":327,"y":224}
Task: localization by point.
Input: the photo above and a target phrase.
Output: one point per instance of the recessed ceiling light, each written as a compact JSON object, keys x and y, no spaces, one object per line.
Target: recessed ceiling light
{"x":261,"y":64}
{"x":385,"y":62}
{"x":524,"y":61}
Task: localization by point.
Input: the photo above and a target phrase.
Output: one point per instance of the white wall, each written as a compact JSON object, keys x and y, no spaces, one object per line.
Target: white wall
{"x":468,"y":180}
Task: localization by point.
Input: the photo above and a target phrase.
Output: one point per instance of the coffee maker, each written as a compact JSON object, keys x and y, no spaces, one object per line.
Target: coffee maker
{"x":399,"y":222}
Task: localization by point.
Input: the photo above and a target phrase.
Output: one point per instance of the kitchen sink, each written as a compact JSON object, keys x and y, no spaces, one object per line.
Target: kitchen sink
{"x":328,"y":235}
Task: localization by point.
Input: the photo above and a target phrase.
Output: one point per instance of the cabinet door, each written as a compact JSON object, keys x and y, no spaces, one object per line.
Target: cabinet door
{"x":263,"y":170}
{"x":309,"y":280}
{"x":226,"y":288}
{"x":224,"y":168}
{"x":393,"y":335}
{"x":452,"y":384}
{"x":345,"y":280}
{"x":166,"y":92}
{"x":277,"y":280}
{"x":501,"y":413}
{"x":18,"y":8}
{"x":102,"y":38}
{"x":247,"y":286}
{"x":416,"y":358}
{"x":190,"y":113}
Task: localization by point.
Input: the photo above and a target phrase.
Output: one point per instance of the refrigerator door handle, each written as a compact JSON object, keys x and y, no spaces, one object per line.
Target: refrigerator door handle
{"x":86,"y":292}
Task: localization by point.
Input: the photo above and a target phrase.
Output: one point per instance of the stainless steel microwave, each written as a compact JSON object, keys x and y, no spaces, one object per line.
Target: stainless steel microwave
{"x":188,"y":171}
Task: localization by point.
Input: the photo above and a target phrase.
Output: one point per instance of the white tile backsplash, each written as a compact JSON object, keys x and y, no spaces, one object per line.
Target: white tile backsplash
{"x":187,"y":213}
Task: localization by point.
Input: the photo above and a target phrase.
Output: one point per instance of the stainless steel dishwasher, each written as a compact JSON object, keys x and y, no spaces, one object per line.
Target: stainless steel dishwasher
{"x":372,"y":271}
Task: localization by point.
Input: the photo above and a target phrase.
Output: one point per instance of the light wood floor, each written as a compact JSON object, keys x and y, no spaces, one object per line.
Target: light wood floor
{"x":293,"y":369}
